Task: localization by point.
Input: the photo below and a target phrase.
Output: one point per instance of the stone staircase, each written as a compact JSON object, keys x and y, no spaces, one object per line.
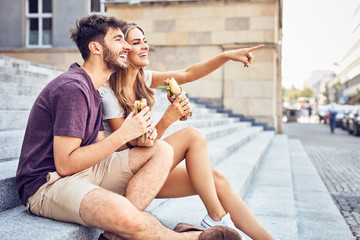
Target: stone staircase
{"x":272,"y":173}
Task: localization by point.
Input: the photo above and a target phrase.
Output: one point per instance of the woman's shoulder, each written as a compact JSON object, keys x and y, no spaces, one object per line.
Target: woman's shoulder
{"x":148,"y":77}
{"x":106,"y":91}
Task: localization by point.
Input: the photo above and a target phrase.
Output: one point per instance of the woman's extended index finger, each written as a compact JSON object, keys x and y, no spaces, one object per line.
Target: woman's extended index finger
{"x":255,"y":48}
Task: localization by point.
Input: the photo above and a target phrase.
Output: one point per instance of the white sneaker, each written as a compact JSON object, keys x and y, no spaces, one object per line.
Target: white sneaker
{"x":207,"y":222}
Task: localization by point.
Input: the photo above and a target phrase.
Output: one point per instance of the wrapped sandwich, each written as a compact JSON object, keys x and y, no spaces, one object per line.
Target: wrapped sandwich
{"x":173,"y":90}
{"x":143,"y":140}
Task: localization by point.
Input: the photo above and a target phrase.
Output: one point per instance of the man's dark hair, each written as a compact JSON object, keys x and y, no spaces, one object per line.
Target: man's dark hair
{"x":93,"y":28}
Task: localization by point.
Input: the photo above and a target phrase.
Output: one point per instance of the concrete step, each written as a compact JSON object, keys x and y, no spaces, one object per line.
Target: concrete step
{"x":195,"y":115}
{"x":162,"y":104}
{"x":239,"y":168}
{"x":221,"y":148}
{"x":16,"y":119}
{"x":23,"y":76}
{"x":290,"y":200}
{"x":11,"y":140}
{"x":270,"y":196}
{"x":20,"y":88}
{"x":26,"y":69}
{"x":223,"y":130}
{"x":8,"y":192}
{"x":16,"y":102}
{"x":13,"y":119}
{"x":11,"y":218}
{"x":10,"y":143}
{"x":199,"y":123}
{"x":18,"y":224}
{"x":316,"y":213}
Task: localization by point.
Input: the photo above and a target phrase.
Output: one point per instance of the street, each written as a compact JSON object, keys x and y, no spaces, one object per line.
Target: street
{"x":337,"y":159}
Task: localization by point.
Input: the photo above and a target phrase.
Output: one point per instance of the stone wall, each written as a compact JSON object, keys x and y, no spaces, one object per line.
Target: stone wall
{"x":183,"y":33}
{"x":60,"y":58}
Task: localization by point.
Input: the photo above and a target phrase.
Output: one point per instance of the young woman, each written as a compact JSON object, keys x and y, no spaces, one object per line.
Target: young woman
{"x":223,"y":205}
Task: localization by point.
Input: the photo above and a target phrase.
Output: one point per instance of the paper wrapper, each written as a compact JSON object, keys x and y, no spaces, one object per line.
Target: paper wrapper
{"x":144,"y":140}
{"x":172,"y":99}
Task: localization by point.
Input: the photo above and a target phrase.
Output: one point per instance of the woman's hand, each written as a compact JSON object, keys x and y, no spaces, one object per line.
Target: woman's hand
{"x":153,"y":134}
{"x":243,"y":55}
{"x":179,"y":108}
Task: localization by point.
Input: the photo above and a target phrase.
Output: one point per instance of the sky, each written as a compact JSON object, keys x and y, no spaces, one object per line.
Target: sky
{"x":316,"y":34}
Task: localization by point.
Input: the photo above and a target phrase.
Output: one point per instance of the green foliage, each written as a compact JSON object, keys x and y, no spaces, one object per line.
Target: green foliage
{"x":337,"y":85}
{"x":355,"y":100}
{"x":292,"y":94}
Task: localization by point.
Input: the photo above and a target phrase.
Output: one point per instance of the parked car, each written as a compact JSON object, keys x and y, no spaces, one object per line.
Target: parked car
{"x":339,"y":116}
{"x":352,"y":120}
{"x":345,"y":119}
{"x":322,"y":113}
{"x":356,"y":131}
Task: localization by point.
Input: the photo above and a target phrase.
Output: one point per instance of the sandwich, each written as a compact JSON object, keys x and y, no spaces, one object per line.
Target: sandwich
{"x":173,"y":90}
{"x":140,"y":105}
{"x":143,"y":140}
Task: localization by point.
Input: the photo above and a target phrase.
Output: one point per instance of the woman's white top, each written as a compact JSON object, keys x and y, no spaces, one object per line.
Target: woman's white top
{"x":110,"y":105}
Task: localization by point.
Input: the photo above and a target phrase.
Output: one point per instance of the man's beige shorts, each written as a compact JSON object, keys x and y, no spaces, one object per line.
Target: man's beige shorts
{"x":60,"y":198}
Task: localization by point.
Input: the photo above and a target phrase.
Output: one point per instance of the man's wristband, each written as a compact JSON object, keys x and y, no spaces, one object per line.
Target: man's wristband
{"x":129,"y":145}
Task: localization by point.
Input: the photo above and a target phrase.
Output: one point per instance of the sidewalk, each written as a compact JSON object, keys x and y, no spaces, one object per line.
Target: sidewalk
{"x":336,"y":159}
{"x":289,"y":198}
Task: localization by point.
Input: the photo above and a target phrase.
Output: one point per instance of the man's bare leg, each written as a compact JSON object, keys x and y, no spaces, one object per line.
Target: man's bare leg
{"x":151,"y":167}
{"x":121,"y":220}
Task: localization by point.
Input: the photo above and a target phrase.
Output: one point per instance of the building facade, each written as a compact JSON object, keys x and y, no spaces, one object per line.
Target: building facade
{"x":348,"y":79}
{"x":180,"y":33}
{"x":319,"y":81}
{"x":38,"y":30}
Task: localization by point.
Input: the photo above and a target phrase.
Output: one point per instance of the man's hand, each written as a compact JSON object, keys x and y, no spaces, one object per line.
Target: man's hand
{"x":135,"y":126}
{"x":243,"y":55}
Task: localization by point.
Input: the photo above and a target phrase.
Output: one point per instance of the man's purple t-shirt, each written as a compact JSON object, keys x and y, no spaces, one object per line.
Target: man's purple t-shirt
{"x":68,"y":106}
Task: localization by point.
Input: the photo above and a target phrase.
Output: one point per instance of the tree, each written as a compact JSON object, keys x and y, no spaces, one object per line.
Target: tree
{"x":307,"y":92}
{"x":292,"y":94}
{"x":356,"y":98}
{"x":337,"y":87}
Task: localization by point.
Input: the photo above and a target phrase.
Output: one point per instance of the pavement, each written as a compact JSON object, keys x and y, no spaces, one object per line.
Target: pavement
{"x":336,"y":157}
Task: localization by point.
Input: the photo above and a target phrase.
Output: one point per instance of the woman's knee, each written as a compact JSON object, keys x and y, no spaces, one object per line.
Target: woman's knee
{"x":194,"y":135}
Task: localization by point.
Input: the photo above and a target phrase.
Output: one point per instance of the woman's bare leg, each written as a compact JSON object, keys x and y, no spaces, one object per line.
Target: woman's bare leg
{"x":181,"y":184}
{"x":190,"y":144}
{"x":239,"y":212}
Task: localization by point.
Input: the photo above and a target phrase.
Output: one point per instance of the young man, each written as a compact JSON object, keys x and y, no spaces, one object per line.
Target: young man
{"x":69,"y":170}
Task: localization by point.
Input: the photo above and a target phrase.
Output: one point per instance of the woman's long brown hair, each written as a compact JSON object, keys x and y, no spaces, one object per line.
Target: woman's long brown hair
{"x":118,"y":82}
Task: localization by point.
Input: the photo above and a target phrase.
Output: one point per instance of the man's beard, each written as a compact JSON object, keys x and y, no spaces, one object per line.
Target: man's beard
{"x":110,"y":60}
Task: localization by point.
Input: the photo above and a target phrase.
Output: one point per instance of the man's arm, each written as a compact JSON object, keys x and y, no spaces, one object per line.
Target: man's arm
{"x":70,"y":158}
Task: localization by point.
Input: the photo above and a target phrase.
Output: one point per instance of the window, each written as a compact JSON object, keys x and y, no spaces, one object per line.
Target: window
{"x":96,"y":6}
{"x":39,"y":23}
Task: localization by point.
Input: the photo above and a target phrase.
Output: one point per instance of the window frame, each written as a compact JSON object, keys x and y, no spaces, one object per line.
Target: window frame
{"x":102,"y":7}
{"x":40,"y":16}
